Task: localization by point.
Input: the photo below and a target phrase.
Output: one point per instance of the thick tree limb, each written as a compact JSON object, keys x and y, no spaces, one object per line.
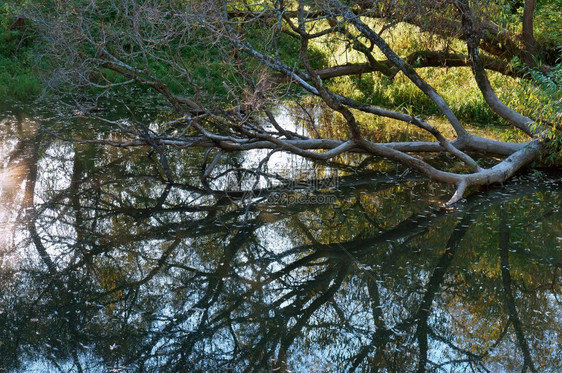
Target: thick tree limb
{"x":419,"y":59}
{"x":472,"y":34}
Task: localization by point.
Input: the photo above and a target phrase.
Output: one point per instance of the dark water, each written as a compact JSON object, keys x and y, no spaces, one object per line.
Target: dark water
{"x":107,"y":266}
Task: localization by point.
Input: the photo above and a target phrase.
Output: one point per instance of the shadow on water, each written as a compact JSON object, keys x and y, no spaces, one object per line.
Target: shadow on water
{"x":106,"y":266}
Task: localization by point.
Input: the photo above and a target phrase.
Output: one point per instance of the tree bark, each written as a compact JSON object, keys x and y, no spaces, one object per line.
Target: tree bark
{"x":527,"y":35}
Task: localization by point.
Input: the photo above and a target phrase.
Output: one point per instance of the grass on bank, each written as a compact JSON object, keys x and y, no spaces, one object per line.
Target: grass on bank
{"x":18,"y":77}
{"x":539,"y":98}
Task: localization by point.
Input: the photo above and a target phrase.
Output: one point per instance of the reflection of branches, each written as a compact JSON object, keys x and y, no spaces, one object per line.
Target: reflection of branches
{"x":381,"y":335}
{"x":189,"y":282}
{"x":208,"y":324}
{"x":66,"y":295}
{"x":304,"y":314}
{"x":508,"y":293}
{"x":432,"y":288}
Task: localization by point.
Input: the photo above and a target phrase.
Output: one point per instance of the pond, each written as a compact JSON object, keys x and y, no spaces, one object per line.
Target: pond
{"x":108,"y":265}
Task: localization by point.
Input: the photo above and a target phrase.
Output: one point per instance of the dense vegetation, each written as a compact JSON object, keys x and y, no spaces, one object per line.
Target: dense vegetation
{"x":19,"y":77}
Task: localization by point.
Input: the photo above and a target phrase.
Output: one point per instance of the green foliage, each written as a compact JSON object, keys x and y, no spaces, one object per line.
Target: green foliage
{"x":541,"y":99}
{"x":17,"y":78}
{"x":548,"y":21}
{"x":538,"y":97}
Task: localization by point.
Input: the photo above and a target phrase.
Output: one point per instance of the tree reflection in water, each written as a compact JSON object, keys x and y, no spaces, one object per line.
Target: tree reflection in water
{"x":106,"y":265}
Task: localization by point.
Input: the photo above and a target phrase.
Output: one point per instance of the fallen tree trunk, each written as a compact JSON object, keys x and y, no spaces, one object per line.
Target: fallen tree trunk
{"x":151,"y":33}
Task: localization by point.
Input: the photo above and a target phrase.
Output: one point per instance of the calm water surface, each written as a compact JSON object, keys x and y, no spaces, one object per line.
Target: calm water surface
{"x":107,"y":266}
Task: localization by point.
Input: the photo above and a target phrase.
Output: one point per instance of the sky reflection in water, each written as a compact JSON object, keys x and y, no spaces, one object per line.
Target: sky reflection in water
{"x":104,"y":266}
